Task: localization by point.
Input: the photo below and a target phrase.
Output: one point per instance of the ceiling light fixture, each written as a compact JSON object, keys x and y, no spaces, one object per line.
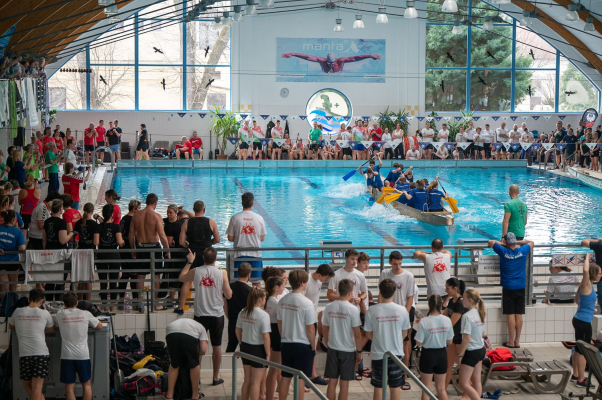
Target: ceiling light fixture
{"x":589,"y":25}
{"x":526,"y":19}
{"x":217,"y":23}
{"x":114,"y":19}
{"x":104,"y":3}
{"x":338,"y":27}
{"x":457,"y":29}
{"x":251,"y":8}
{"x":358,"y":23}
{"x":572,"y":15}
{"x":449,"y":6}
{"x":410,"y":12}
{"x":237,"y":16}
{"x":111,"y":10}
{"x":226,"y":20}
{"x":382,"y":18}
{"x":487,"y":25}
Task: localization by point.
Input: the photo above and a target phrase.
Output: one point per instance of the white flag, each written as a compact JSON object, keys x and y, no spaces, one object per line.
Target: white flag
{"x":525,"y":146}
{"x":525,"y":118}
{"x":429,"y":119}
{"x":437,"y":145}
{"x":547,"y":146}
{"x":249,"y":141}
{"x":504,"y":118}
{"x":463,"y":145}
{"x":507,"y":146}
{"x":279,"y":142}
{"x":547,"y":117}
{"x":366,"y":143}
{"x":342,"y":142}
{"x":394,"y":143}
{"x":410,"y":118}
{"x":592,"y":145}
{"x":484,"y":118}
{"x":274,"y":117}
{"x":293,"y":117}
{"x":447,"y":118}
{"x":467,"y":119}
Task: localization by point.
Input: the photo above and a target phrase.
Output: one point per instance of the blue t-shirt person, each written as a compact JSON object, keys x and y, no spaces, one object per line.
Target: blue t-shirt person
{"x":393,"y":175}
{"x":570,"y":141}
{"x":403,"y":187}
{"x":374,"y":181}
{"x":434,"y":199}
{"x":513,"y":263}
{"x":11,"y":238}
{"x":419,"y":199}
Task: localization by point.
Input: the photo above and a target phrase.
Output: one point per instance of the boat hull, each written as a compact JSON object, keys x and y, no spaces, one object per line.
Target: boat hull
{"x":443,"y":218}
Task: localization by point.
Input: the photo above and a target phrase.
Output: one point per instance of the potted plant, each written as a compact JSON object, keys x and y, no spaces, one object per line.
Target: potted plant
{"x":393,"y":119}
{"x":225,"y":125}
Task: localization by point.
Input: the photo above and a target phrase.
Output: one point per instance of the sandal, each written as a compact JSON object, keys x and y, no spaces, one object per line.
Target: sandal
{"x":514,"y":390}
{"x":406,"y":386}
{"x":358,"y":377}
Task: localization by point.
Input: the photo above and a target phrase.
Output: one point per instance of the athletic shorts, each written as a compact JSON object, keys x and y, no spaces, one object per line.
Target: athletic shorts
{"x":583,"y":331}
{"x":183,"y":350}
{"x":243,"y":145}
{"x":89,"y":147}
{"x":16,"y":266}
{"x":513,"y":301}
{"x":197,"y":151}
{"x":214,"y":327}
{"x":433,"y":361}
{"x":275,"y":338}
{"x":298,"y":356}
{"x":70,"y":368}
{"x":142,"y":145}
{"x":146,"y":256}
{"x":395,"y":376}
{"x":314,"y":147}
{"x":255,"y":274}
{"x":27,"y":220}
{"x":114,"y":148}
{"x":429,"y":147}
{"x":347,"y":151}
{"x":275,"y":146}
{"x":359,"y":147}
{"x":34,"y":367}
{"x":257,"y":350}
{"x":340,"y":365}
{"x":257,"y":146}
{"x":473,"y":357}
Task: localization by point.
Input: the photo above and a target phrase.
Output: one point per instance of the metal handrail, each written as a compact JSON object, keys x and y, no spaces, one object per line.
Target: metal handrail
{"x":409,"y":373}
{"x":295,"y":372}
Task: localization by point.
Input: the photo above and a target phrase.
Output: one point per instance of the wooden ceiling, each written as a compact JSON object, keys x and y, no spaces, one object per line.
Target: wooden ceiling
{"x":48,"y":25}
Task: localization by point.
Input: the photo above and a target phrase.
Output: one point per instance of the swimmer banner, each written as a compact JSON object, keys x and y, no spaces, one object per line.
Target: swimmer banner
{"x":330,"y":60}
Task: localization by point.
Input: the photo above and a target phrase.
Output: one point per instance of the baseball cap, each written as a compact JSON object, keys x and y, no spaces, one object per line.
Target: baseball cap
{"x":510,"y":238}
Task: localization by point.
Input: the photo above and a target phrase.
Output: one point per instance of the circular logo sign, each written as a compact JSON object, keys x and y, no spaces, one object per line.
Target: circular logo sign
{"x":330,"y":108}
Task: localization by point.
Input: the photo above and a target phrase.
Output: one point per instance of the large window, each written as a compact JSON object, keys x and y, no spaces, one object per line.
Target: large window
{"x":151,"y":61}
{"x":506,"y":69}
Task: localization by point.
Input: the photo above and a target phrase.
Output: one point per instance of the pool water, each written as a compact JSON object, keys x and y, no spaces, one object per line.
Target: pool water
{"x":303,"y":206}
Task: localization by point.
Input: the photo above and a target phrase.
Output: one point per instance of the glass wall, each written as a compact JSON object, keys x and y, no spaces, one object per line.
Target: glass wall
{"x":506,"y":69}
{"x":159,"y":63}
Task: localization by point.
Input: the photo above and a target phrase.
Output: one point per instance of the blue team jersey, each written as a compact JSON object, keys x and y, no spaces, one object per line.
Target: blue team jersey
{"x":419,"y":199}
{"x":403,"y":186}
{"x":375,"y":181}
{"x":434,"y":197}
{"x":393,"y":176}
{"x":10,"y":240}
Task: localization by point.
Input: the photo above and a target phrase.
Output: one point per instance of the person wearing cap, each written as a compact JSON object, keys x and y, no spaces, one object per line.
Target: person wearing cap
{"x":513,"y":262}
{"x":515,"y":214}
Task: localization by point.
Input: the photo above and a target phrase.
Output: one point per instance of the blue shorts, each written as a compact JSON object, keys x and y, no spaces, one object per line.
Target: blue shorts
{"x":255,"y":274}
{"x":359,"y":147}
{"x":299,"y":356}
{"x":114,"y":148}
{"x":196,"y":151}
{"x":69,"y":368}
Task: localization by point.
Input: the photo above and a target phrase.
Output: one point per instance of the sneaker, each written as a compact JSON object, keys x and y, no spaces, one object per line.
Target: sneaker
{"x":318,"y":380}
{"x":489,"y":396}
{"x":583,"y":383}
{"x":574,"y":378}
{"x":178,"y":311}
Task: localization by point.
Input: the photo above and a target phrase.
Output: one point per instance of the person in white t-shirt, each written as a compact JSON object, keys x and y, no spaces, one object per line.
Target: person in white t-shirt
{"x":443,"y":134}
{"x":346,"y":147}
{"x":472,"y":350}
{"x":31,"y":324}
{"x":442,"y":153}
{"x":73,"y":324}
{"x":526,"y":137}
{"x":277,"y":133}
{"x":565,"y":292}
{"x":247,"y":230}
{"x":469,"y":135}
{"x":341,"y":324}
{"x":253,"y":332}
{"x":515,"y":135}
{"x":211,"y":286}
{"x":244,"y":133}
{"x":186,"y":342}
{"x":296,"y":318}
{"x":387,"y":323}
{"x":437,"y":265}
{"x":360,"y":289}
{"x":428,"y":135}
{"x":404,"y":295}
{"x":485,"y":139}
{"x":387,"y":149}
{"x":413,"y":154}
{"x":274,"y":288}
{"x":434,"y":334}
{"x":314,"y":285}
{"x":502,"y":136}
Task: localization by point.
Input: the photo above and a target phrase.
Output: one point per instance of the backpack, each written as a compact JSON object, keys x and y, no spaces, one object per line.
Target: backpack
{"x":501,"y":355}
{"x":87,"y":306}
{"x":157,"y":349}
{"x":141,"y":386}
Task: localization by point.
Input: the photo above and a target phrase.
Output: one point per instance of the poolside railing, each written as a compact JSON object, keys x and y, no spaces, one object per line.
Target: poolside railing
{"x":465,"y":264}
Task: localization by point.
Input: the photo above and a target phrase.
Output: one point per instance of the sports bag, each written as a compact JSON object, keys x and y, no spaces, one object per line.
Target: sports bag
{"x":501,"y":355}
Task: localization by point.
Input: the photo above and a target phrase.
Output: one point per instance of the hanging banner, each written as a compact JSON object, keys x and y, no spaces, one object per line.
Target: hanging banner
{"x":429,"y":119}
{"x":592,"y":145}
{"x":467,"y":119}
{"x":423,"y":145}
{"x":401,"y":118}
{"x":515,"y":146}
{"x":249,"y":141}
{"x":513,"y":117}
{"x":449,"y":145}
{"x":221,"y":116}
{"x":589,"y":117}
{"x":562,"y":117}
{"x":535,"y":146}
{"x":181,"y":115}
{"x":366,"y":143}
{"x":366,"y":117}
{"x":303,"y":117}
{"x":484,"y":118}
{"x":535,"y":117}
{"x":447,"y":118}
{"x":394,"y":144}
{"x":410,"y":118}
{"x":264,"y":116}
{"x":279,"y":142}
{"x":233,"y":140}
{"x":283,"y":117}
{"x":495,"y":118}
{"x":378,"y":145}
{"x":464,"y":145}
{"x":346,"y":118}
{"x":561,"y":146}
{"x":525,"y":118}
{"x":525,"y":146}
{"x":497,"y":146}
{"x":374,"y":118}
{"x":438,"y":119}
{"x":504,"y":118}
{"x":243,"y":116}
{"x":458,"y":118}
{"x":420,"y":118}
{"x":34,"y":120}
{"x":274,"y":117}
{"x":384,"y":118}
{"x":476,"y":118}
{"x":342,"y":142}
{"x":264,"y":141}
{"x":437,"y":145}
{"x":507,"y":146}
{"x":352,"y":143}
{"x":4,"y":110}
{"x":547,"y":117}
{"x":202,"y":115}
{"x":547,"y":146}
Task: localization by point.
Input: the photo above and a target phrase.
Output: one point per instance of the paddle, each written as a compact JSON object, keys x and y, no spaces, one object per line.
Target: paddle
{"x":451,"y":201}
{"x":351,"y":173}
{"x":392,"y":197}
{"x":385,"y":191}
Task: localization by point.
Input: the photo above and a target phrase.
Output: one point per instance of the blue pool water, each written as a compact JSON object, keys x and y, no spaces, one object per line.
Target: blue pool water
{"x":303,"y":206}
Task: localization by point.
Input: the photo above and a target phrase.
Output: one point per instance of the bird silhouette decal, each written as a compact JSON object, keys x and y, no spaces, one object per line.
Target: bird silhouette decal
{"x":157,"y":50}
{"x":532,"y":54}
{"x":163,"y":83}
{"x":490,"y":55}
{"x":206,"y":51}
{"x":210,"y":82}
{"x":442,"y":86}
{"x":482,"y":81}
{"x":529,"y":91}
{"x":103,"y":80}
{"x":449,"y":57}
{"x":570,"y":93}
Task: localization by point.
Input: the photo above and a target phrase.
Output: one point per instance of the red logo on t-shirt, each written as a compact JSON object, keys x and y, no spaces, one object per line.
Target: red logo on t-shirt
{"x":439,"y":267}
{"x":248,"y":229}
{"x":208,"y":281}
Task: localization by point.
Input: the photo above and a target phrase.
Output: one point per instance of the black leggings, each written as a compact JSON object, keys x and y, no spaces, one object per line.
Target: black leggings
{"x":103,"y":276}
{"x":399,"y":151}
{"x":232,"y":339}
{"x":389,"y":151}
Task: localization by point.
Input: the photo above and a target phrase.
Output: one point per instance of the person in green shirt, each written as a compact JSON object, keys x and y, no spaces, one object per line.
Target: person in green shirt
{"x":315,"y":135}
{"x":33,"y":168}
{"x":53,"y":168}
{"x":515,"y":214}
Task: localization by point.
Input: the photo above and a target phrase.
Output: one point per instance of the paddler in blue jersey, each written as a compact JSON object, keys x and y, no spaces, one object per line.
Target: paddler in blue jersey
{"x":394,"y":175}
{"x":417,"y":197}
{"x":372,"y":165}
{"x":402,"y":186}
{"x":373,"y":180}
{"x":434,"y":196}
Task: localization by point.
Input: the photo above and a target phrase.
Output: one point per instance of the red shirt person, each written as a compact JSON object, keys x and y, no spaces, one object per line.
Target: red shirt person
{"x":184,"y":148}
{"x":47,"y":139}
{"x":72,"y":183}
{"x":100,"y":139}
{"x":197,"y":144}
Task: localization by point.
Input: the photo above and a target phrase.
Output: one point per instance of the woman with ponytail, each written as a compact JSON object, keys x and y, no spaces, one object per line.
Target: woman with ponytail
{"x":12,"y":240}
{"x":454,"y":287}
{"x":29,"y":197}
{"x":434,"y":334}
{"x":274,"y":288}
{"x":582,"y":321}
{"x":253,"y":332}
{"x":472,"y":350}
{"x":86,"y":227}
